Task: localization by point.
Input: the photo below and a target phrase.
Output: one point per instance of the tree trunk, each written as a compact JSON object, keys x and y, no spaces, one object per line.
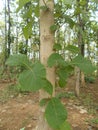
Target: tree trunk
{"x":46,"y":49}
{"x":9,"y":28}
{"x":81,"y":44}
{"x":77,"y":76}
{"x":82,"y":79}
{"x":5,"y":44}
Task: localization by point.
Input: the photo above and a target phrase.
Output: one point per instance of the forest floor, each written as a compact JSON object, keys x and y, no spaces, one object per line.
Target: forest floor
{"x":20,"y":111}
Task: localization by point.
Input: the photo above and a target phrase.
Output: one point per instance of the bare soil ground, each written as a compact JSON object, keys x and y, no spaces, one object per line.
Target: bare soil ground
{"x":21,"y":110}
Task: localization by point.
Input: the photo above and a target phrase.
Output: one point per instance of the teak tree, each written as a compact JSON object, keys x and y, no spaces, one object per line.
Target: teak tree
{"x":40,"y":76}
{"x":46,"y":49}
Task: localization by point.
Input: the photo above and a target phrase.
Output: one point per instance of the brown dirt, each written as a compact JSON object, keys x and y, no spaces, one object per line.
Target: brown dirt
{"x":21,"y":110}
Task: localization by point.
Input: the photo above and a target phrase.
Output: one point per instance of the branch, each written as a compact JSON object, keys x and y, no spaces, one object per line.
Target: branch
{"x":45,"y":3}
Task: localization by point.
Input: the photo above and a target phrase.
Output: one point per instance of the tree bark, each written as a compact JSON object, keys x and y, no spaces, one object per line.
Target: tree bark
{"x":5,"y":44}
{"x":81,"y":45}
{"x":46,"y":49}
{"x":9,"y":28}
{"x":77,"y":87}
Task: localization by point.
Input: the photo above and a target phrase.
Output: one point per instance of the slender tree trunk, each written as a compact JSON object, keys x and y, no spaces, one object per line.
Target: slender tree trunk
{"x":77,"y":75}
{"x":81,"y":44}
{"x":97,"y":50}
{"x":17,"y":34}
{"x":5,"y":45}
{"x":46,"y":49}
{"x":26,"y":49}
{"x":9,"y":28}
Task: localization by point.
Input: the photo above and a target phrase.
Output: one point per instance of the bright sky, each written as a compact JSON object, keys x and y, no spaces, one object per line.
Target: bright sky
{"x":1,"y":5}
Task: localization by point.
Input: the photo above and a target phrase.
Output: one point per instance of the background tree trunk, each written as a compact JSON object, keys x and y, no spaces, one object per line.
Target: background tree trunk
{"x":9,"y":28}
{"x":77,"y":76}
{"x":46,"y":49}
{"x":5,"y":44}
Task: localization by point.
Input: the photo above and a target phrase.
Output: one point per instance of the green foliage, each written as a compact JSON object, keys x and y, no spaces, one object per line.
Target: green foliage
{"x":64,"y":69}
{"x":70,"y":95}
{"x":65,"y":126}
{"x":18,"y":60}
{"x":53,"y":28}
{"x":27,"y":30}
{"x":44,"y":101}
{"x":94,"y":121}
{"x":96,"y":1}
{"x":47,"y":86}
{"x":63,"y":73}
{"x":68,"y":2}
{"x":69,"y":21}
{"x":84,"y":64}
{"x":62,"y":77}
{"x":23,"y":48}
{"x":72,"y":49}
{"x":57,"y":47}
{"x":55,"y":59}
{"x":28,"y":13}
{"x":55,"y":113}
{"x":90,"y":79}
{"x":33,"y":77}
{"x":22,"y":3}
{"x":83,"y":3}
{"x":36,"y":10}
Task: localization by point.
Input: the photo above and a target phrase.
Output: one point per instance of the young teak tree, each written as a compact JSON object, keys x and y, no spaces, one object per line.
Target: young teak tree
{"x":41,"y":76}
{"x":46,"y":49}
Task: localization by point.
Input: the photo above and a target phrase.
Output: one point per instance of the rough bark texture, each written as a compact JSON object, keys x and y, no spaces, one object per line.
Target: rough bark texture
{"x":82,"y":80}
{"x":9,"y":28}
{"x":81,"y":44}
{"x":77,"y":75}
{"x":46,"y":49}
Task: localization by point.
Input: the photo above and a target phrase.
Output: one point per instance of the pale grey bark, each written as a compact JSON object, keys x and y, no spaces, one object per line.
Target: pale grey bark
{"x":46,"y":49}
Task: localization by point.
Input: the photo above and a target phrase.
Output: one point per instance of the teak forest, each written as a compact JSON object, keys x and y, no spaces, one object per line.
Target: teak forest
{"x":49,"y":65}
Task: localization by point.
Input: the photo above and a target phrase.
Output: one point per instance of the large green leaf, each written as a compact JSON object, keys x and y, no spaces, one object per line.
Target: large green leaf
{"x":47,"y":86}
{"x":55,"y":59}
{"x":72,"y":49}
{"x":55,"y":113}
{"x":84,"y":64}
{"x":33,"y":79}
{"x":18,"y":60}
